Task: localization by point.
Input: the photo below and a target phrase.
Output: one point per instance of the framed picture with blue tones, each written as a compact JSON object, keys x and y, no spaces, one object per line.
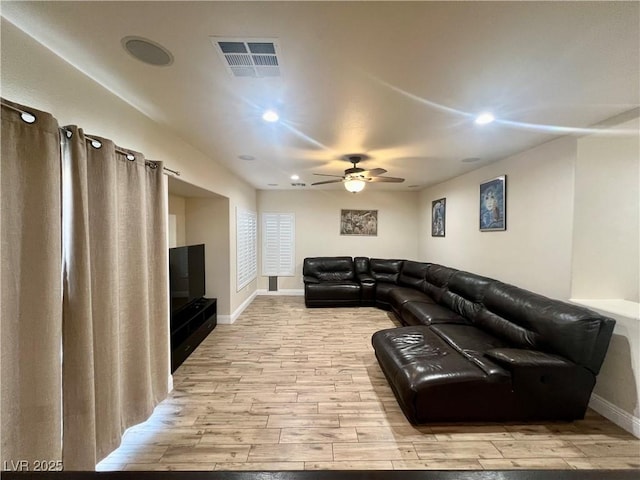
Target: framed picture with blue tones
{"x":438,"y":217}
{"x":493,"y":204}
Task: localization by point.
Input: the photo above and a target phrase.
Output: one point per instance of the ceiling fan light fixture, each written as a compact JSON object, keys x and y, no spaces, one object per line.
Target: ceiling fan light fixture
{"x":354,"y":185}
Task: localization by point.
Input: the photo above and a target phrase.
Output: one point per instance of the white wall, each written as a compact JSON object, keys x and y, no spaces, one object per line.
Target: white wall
{"x":606,"y":242}
{"x":535,"y":250}
{"x":34,"y":76}
{"x":177,"y":208}
{"x":617,"y":391}
{"x":318,"y":225}
{"x":207,"y":222}
{"x":606,"y":261}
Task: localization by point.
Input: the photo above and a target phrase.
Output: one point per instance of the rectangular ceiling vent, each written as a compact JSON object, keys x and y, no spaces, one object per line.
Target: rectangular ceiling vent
{"x":257,"y":57}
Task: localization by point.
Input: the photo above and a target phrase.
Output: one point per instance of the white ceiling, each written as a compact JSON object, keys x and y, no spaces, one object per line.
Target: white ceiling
{"x":399,"y":81}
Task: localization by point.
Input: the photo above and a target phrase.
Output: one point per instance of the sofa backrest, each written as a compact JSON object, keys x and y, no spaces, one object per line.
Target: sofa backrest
{"x":464,"y":293}
{"x":413,"y":274}
{"x":329,"y":268}
{"x":534,"y":321}
{"x":361,"y":264}
{"x":384,"y":270}
{"x":436,"y":279}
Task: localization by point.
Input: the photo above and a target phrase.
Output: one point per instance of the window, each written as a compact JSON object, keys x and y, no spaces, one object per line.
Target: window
{"x":278,"y":244}
{"x":246,"y":242}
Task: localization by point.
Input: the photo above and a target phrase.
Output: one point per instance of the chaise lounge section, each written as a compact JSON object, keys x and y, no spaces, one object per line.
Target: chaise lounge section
{"x":471,"y":348}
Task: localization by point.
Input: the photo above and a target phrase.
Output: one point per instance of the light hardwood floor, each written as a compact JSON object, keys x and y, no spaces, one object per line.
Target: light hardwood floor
{"x":291,"y":388}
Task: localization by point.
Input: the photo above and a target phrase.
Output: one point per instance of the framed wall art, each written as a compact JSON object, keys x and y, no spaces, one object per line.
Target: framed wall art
{"x":493,"y":204}
{"x":438,"y":217}
{"x":359,"y":222}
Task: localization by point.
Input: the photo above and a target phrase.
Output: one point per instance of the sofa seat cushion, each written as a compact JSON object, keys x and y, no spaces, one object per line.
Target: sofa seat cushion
{"x":434,"y":382}
{"x":383,"y":292}
{"x":473,"y":343}
{"x":427,"y":313}
{"x":342,"y":293}
{"x":468,"y":337}
{"x":400,"y":295}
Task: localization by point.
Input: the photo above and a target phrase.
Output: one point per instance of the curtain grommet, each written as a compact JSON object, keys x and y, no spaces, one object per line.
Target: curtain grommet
{"x":28,"y":117}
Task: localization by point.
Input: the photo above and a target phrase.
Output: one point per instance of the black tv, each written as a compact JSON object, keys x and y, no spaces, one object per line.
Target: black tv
{"x":186,"y":275}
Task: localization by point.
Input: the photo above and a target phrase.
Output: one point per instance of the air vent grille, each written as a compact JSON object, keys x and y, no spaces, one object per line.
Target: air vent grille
{"x":256,"y":58}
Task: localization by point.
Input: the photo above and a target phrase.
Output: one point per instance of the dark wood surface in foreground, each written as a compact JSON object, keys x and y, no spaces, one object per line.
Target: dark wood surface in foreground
{"x":336,"y":475}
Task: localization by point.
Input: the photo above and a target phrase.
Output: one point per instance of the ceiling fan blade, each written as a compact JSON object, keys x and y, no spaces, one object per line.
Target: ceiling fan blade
{"x":386,"y":179}
{"x":326,"y":175}
{"x":327,"y":181}
{"x":374,"y":172}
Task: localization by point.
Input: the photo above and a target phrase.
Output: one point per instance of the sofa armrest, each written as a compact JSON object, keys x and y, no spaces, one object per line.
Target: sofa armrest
{"x":544,"y":382}
{"x":365,"y":278}
{"x":517,"y":357}
{"x":310,"y":279}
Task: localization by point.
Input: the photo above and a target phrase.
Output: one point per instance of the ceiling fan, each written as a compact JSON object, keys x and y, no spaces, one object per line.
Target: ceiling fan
{"x":355,"y":178}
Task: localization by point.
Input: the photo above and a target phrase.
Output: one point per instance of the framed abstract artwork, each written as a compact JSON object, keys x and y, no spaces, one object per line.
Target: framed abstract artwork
{"x":493,"y":204}
{"x":359,"y":222}
{"x":438,"y":217}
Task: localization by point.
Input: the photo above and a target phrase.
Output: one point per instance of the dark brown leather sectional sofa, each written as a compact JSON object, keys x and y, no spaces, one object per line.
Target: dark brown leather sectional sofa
{"x":472,"y":348}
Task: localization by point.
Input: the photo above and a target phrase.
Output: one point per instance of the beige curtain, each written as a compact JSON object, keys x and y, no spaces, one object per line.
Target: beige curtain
{"x":116,"y":338}
{"x":31,"y":309}
{"x":84,"y":276}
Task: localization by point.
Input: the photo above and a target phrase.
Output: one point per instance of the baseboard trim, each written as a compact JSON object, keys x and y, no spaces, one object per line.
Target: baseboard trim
{"x":290,"y":292}
{"x":229,"y":319}
{"x":614,"y":413}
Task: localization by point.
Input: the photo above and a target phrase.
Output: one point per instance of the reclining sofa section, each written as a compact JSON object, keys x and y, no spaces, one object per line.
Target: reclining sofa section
{"x":471,"y":348}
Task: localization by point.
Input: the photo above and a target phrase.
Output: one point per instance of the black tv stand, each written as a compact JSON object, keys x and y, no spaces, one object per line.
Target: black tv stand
{"x":189,"y":327}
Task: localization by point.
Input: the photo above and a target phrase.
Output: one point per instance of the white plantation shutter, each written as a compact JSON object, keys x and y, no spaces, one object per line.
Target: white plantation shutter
{"x":278,"y":244}
{"x":246,"y":247}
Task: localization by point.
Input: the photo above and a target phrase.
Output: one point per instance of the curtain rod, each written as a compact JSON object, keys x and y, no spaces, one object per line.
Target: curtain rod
{"x":29,"y":117}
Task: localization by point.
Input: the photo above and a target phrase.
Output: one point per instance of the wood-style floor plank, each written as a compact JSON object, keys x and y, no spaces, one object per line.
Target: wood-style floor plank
{"x":291,"y":388}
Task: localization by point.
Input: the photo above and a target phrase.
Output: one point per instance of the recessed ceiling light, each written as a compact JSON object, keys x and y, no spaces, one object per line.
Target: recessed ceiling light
{"x":272,"y":184}
{"x":295,"y":177}
{"x":270,"y":116}
{"x":484,"y":118}
{"x":246,"y":157}
{"x":147,"y":51}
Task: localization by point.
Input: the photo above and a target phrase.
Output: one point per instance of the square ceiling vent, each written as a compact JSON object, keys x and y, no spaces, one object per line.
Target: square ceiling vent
{"x":255,"y":57}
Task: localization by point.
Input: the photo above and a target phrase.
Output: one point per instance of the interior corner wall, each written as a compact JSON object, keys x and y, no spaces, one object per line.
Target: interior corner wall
{"x":534,"y":252}
{"x":606,"y":242}
{"x":207,"y":221}
{"x":177,"y":208}
{"x":317,"y":219}
{"x":33,"y":75}
{"x":606,"y":260}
